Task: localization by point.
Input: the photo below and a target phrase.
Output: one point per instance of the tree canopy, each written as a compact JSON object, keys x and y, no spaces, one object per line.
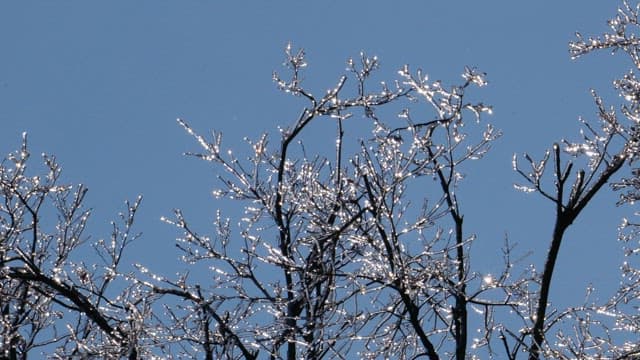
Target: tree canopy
{"x":359,"y":249}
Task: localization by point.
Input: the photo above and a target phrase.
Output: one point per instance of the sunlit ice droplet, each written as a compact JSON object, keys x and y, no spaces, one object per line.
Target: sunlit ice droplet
{"x":488,"y":280}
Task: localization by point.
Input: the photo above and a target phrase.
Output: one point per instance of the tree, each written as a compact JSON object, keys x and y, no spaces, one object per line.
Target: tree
{"x":356,"y":251}
{"x":49,"y":298}
{"x":354,"y":260}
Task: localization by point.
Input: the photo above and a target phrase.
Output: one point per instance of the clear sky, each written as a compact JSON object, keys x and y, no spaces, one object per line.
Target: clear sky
{"x":100,"y":85}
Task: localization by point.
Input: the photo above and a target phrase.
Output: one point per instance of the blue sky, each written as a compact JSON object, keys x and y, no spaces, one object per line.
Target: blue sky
{"x":100,"y":84}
